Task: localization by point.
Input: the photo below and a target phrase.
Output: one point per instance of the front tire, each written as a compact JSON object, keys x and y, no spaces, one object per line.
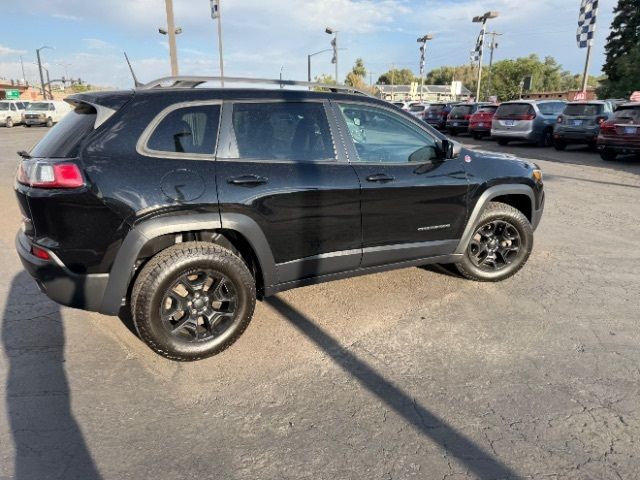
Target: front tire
{"x":500,"y":245}
{"x":49,"y":122}
{"x":9,"y":122}
{"x":193,"y":300}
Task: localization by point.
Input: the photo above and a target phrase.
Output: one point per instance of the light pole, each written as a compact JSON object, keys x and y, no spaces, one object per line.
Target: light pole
{"x":493,"y":45}
{"x":66,"y":69}
{"x":215,"y":14}
{"x":482,"y":19}
{"x":423,"y":40}
{"x":172,"y":31}
{"x":44,"y":93}
{"x":334,"y":44}
{"x":309,"y":61}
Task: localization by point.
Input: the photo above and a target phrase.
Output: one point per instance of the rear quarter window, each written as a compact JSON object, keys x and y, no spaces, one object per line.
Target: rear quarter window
{"x":191,"y":130}
{"x":64,"y":140}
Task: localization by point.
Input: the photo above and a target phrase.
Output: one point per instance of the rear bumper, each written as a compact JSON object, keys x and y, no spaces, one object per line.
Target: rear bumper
{"x":585,"y":136}
{"x":58,"y":282}
{"x":461,"y":127}
{"x":618,"y":146}
{"x":528,"y":135}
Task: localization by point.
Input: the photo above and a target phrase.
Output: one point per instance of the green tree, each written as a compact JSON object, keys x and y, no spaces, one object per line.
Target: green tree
{"x":397,"y":77}
{"x":356,"y":77}
{"x":466,"y":74}
{"x":324,"y":78}
{"x":622,"y":63}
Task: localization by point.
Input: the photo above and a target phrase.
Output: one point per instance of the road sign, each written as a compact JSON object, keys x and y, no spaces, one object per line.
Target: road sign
{"x":580,"y":96}
{"x":12,"y":94}
{"x":635,"y":96}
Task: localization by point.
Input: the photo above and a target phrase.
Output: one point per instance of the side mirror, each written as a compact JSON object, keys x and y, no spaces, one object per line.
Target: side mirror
{"x":450,"y":149}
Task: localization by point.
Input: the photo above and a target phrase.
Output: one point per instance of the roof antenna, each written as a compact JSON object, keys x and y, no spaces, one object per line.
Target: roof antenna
{"x":136,"y":83}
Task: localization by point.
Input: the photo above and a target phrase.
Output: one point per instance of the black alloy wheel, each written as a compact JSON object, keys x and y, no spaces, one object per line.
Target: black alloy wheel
{"x":494,"y":245}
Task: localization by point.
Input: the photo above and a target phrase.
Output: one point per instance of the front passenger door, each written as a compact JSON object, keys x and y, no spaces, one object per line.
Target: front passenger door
{"x":413,"y":201}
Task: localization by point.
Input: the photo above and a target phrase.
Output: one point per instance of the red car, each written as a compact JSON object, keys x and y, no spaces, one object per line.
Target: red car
{"x":621,"y":133}
{"x":480,"y":121}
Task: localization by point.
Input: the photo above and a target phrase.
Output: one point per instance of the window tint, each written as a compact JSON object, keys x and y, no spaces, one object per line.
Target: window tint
{"x":282,"y":131}
{"x":514,"y":109}
{"x":187,"y":130}
{"x":382,"y":136}
{"x":586,"y":109}
{"x":628,"y":113}
{"x":63,"y":141}
{"x":461,"y":110}
{"x":417,"y":108}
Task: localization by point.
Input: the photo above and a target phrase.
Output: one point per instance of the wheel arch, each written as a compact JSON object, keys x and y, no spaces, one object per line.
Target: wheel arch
{"x":151,"y":236}
{"x":519,"y":196}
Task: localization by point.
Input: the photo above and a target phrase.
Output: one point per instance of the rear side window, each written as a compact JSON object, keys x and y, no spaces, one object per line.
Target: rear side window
{"x":63,"y":141}
{"x":628,"y":113}
{"x":514,"y":109}
{"x":586,"y":109}
{"x":281,"y":131}
{"x":187,"y":130}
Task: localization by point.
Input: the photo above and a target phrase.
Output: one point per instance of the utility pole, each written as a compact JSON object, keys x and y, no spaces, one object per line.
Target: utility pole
{"x":493,"y":45}
{"x":482,"y":19}
{"x":49,"y":86}
{"x":215,"y":14}
{"x":24,"y":77}
{"x":44,"y":93}
{"x":171,"y":31}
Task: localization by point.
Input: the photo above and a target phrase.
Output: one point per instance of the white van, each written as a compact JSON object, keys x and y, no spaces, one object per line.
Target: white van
{"x":47,"y":112}
{"x":11,"y":112}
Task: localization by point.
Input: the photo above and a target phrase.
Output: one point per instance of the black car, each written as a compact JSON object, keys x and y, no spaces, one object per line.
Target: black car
{"x":437,"y":113}
{"x":184,"y":205}
{"x":459,"y":116}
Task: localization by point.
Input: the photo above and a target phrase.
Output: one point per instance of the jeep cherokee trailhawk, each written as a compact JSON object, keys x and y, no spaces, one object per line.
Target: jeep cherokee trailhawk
{"x":185,"y":204}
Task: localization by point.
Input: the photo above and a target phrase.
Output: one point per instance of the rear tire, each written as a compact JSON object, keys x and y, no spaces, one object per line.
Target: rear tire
{"x":500,"y":245}
{"x":503,"y":141}
{"x":186,"y":294}
{"x":559,"y":144}
{"x":547,"y":139}
{"x":9,"y":122}
{"x":608,"y":155}
{"x":477,"y":136}
{"x":27,"y":125}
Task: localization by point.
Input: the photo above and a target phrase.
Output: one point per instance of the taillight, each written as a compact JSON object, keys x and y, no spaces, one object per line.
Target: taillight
{"x":40,"y":253}
{"x":607,"y":127}
{"x":467,"y":116}
{"x":601,"y":120}
{"x":39,"y":174}
{"x":442,"y":113}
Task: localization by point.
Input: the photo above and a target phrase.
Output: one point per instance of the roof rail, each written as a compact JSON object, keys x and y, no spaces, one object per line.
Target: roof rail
{"x":186,"y":81}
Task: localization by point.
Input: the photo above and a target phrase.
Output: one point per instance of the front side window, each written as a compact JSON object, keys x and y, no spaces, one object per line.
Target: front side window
{"x":187,"y":130}
{"x":293,"y":131}
{"x":385,"y":137}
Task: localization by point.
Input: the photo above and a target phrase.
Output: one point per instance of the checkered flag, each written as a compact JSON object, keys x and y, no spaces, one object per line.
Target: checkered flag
{"x":587,"y":23}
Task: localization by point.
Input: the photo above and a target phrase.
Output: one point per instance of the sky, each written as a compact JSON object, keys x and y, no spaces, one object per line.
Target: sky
{"x":264,"y":37}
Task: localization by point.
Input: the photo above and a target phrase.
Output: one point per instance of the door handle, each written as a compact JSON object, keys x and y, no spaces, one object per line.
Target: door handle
{"x":247,"y":180}
{"x":380,"y":177}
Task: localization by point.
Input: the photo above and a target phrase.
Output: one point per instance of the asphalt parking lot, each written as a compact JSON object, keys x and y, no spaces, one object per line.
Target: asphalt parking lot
{"x":414,"y":373}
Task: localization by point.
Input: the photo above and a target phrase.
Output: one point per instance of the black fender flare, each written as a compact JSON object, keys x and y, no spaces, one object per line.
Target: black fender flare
{"x":123,"y":265}
{"x":488,"y":195}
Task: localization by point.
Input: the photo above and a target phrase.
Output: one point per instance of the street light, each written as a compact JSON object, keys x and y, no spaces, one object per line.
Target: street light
{"x":334,"y":45}
{"x":482,"y":19}
{"x":309,"y":61}
{"x":215,"y":14}
{"x":66,"y":69}
{"x":423,"y":40}
{"x":44,"y":93}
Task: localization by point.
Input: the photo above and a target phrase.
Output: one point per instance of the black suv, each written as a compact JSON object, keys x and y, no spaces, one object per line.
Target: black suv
{"x":186,"y":204}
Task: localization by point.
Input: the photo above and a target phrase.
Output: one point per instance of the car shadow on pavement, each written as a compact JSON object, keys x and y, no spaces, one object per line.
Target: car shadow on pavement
{"x":47,"y":440}
{"x":474,"y":458}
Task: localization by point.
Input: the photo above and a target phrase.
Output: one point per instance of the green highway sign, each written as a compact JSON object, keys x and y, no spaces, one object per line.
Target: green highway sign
{"x":12,"y":94}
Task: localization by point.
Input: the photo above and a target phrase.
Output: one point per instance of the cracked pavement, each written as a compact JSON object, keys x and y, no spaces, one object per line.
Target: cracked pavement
{"x":414,"y":373}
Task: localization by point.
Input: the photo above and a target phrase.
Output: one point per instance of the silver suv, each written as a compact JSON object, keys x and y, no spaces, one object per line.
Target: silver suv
{"x":526,"y":120}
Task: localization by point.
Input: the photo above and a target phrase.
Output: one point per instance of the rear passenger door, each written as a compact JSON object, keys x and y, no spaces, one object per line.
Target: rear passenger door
{"x":280,"y":164}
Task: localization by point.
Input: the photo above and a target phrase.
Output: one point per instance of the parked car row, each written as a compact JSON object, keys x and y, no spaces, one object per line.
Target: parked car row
{"x":47,"y":112}
{"x":610,"y":126}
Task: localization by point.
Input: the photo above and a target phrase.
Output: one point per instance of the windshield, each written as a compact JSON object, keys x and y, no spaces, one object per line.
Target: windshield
{"x":584,"y":109}
{"x":461,"y":110}
{"x":4,"y":105}
{"x":417,"y":108}
{"x":628,"y":113}
{"x":38,"y":106}
{"x":509,"y":109}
